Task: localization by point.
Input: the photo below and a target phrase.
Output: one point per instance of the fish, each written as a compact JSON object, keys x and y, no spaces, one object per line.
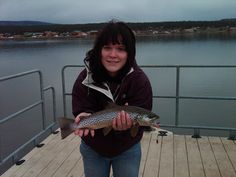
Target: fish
{"x":103,"y":119}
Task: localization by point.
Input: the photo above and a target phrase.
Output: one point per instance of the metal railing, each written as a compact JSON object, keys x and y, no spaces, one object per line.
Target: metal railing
{"x":177,"y":97}
{"x":13,"y":156}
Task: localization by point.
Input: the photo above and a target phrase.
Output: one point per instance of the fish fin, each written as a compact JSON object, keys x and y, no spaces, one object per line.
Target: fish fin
{"x":134,"y":130}
{"x":107,"y":130}
{"x":65,"y":126}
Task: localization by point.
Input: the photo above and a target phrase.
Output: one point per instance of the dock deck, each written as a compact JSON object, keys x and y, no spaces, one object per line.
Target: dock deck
{"x":172,"y":156}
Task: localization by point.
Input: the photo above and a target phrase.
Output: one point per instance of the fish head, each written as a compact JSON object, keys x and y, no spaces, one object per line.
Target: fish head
{"x":149,"y":119}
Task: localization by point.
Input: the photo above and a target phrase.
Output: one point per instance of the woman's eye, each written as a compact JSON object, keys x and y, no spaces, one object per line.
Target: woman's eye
{"x":118,"y":48}
{"x":106,"y":47}
{"x":121,"y":48}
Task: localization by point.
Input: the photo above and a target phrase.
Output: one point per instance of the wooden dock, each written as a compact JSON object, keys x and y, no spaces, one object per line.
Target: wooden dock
{"x":172,"y":156}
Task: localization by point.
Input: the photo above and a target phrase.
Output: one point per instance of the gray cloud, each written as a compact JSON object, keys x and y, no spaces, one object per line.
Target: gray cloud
{"x":89,"y":11}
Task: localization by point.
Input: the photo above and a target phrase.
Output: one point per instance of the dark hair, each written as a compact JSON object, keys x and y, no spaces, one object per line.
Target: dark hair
{"x":115,"y":33}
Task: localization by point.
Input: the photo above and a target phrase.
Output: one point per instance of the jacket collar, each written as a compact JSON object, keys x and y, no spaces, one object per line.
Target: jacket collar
{"x":90,"y":83}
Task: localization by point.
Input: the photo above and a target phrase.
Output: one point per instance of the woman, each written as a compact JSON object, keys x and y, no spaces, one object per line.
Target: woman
{"x":111,"y":75}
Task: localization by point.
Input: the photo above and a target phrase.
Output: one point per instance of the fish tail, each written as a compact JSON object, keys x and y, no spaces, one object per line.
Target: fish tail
{"x":65,"y":126}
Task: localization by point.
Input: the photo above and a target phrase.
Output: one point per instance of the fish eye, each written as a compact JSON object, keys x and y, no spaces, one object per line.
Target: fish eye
{"x":151,"y":116}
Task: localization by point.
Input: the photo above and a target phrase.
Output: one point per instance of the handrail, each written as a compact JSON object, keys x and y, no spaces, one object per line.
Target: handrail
{"x":41,"y":101}
{"x":20,"y":111}
{"x":41,"y":93}
{"x":177,"y":96}
{"x":63,"y":85}
{"x":54,"y":100}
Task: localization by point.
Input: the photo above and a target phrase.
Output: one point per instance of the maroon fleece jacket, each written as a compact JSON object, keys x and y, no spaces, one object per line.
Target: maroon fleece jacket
{"x":134,"y":89}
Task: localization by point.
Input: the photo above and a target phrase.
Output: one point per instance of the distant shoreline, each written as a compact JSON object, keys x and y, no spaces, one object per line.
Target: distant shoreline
{"x":166,"y":34}
{"x":31,"y":30}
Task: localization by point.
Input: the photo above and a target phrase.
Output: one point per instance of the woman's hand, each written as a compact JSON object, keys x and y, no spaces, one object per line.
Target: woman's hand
{"x":83,"y":131}
{"x":122,"y":121}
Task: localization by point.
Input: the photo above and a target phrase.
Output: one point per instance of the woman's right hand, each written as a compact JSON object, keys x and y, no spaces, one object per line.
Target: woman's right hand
{"x":83,"y":131}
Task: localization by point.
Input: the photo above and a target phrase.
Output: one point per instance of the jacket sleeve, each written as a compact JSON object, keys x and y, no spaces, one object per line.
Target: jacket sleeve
{"x":81,"y":99}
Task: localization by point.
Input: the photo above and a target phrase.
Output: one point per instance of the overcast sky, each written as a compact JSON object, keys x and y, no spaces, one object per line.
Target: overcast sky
{"x":94,"y":11}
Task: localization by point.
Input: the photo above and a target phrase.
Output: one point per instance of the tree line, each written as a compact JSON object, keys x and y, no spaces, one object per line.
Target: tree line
{"x":20,"y":29}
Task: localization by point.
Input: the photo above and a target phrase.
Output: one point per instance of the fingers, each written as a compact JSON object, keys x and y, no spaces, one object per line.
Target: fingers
{"x":129,"y":121}
{"x":92,"y":132}
{"x":82,"y":114}
{"x":122,"y":121}
{"x":83,"y":132}
{"x":77,"y":119}
{"x":86,"y":132}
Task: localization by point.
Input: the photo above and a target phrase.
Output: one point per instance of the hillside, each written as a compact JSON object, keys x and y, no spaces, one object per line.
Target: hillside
{"x":14,"y":28}
{"x":23,"y":23}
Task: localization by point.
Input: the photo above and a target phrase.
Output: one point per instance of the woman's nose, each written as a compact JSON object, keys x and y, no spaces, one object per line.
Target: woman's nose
{"x":113,"y":53}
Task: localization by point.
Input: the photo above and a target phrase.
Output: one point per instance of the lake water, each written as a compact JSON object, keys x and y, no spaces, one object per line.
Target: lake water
{"x":51,"y":55}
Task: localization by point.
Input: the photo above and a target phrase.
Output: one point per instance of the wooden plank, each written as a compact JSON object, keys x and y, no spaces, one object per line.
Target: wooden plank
{"x":167,"y":162}
{"x":181,"y":168}
{"x":69,"y":162}
{"x":13,"y":170}
{"x":46,"y":157}
{"x":32,"y":161}
{"x":145,"y":143}
{"x":194,"y":158}
{"x":225,"y":166}
{"x":77,"y":170}
{"x":208,"y":158}
{"x":67,"y":157}
{"x":230,"y":148}
{"x":151,"y":167}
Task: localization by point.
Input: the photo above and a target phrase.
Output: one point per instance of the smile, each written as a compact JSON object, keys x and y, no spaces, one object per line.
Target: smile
{"x":112,"y":61}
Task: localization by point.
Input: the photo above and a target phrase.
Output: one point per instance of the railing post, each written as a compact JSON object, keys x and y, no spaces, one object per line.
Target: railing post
{"x":0,"y":142}
{"x":196,"y":133}
{"x":63,"y":91}
{"x":232,"y":135}
{"x":54,"y":102}
{"x":177,"y":96}
{"x":43,"y":99}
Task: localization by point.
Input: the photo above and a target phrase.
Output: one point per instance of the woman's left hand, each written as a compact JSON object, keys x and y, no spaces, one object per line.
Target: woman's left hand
{"x":122,"y":121}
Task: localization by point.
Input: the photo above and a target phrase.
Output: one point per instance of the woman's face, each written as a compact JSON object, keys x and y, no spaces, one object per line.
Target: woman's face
{"x":114,"y":57}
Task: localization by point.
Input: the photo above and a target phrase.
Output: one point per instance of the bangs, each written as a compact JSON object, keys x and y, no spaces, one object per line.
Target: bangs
{"x":116,"y":33}
{"x":112,"y":37}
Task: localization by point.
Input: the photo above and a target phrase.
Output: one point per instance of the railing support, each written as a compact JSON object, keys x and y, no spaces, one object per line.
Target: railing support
{"x":232,"y":135}
{"x":177,"y":97}
{"x":14,"y":156}
{"x":196,"y":133}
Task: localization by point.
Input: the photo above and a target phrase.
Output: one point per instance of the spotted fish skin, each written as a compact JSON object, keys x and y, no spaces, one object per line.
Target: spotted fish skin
{"x":103,"y":119}
{"x":96,"y":121}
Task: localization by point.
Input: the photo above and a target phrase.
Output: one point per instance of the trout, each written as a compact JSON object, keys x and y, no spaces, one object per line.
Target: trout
{"x":103,"y":119}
